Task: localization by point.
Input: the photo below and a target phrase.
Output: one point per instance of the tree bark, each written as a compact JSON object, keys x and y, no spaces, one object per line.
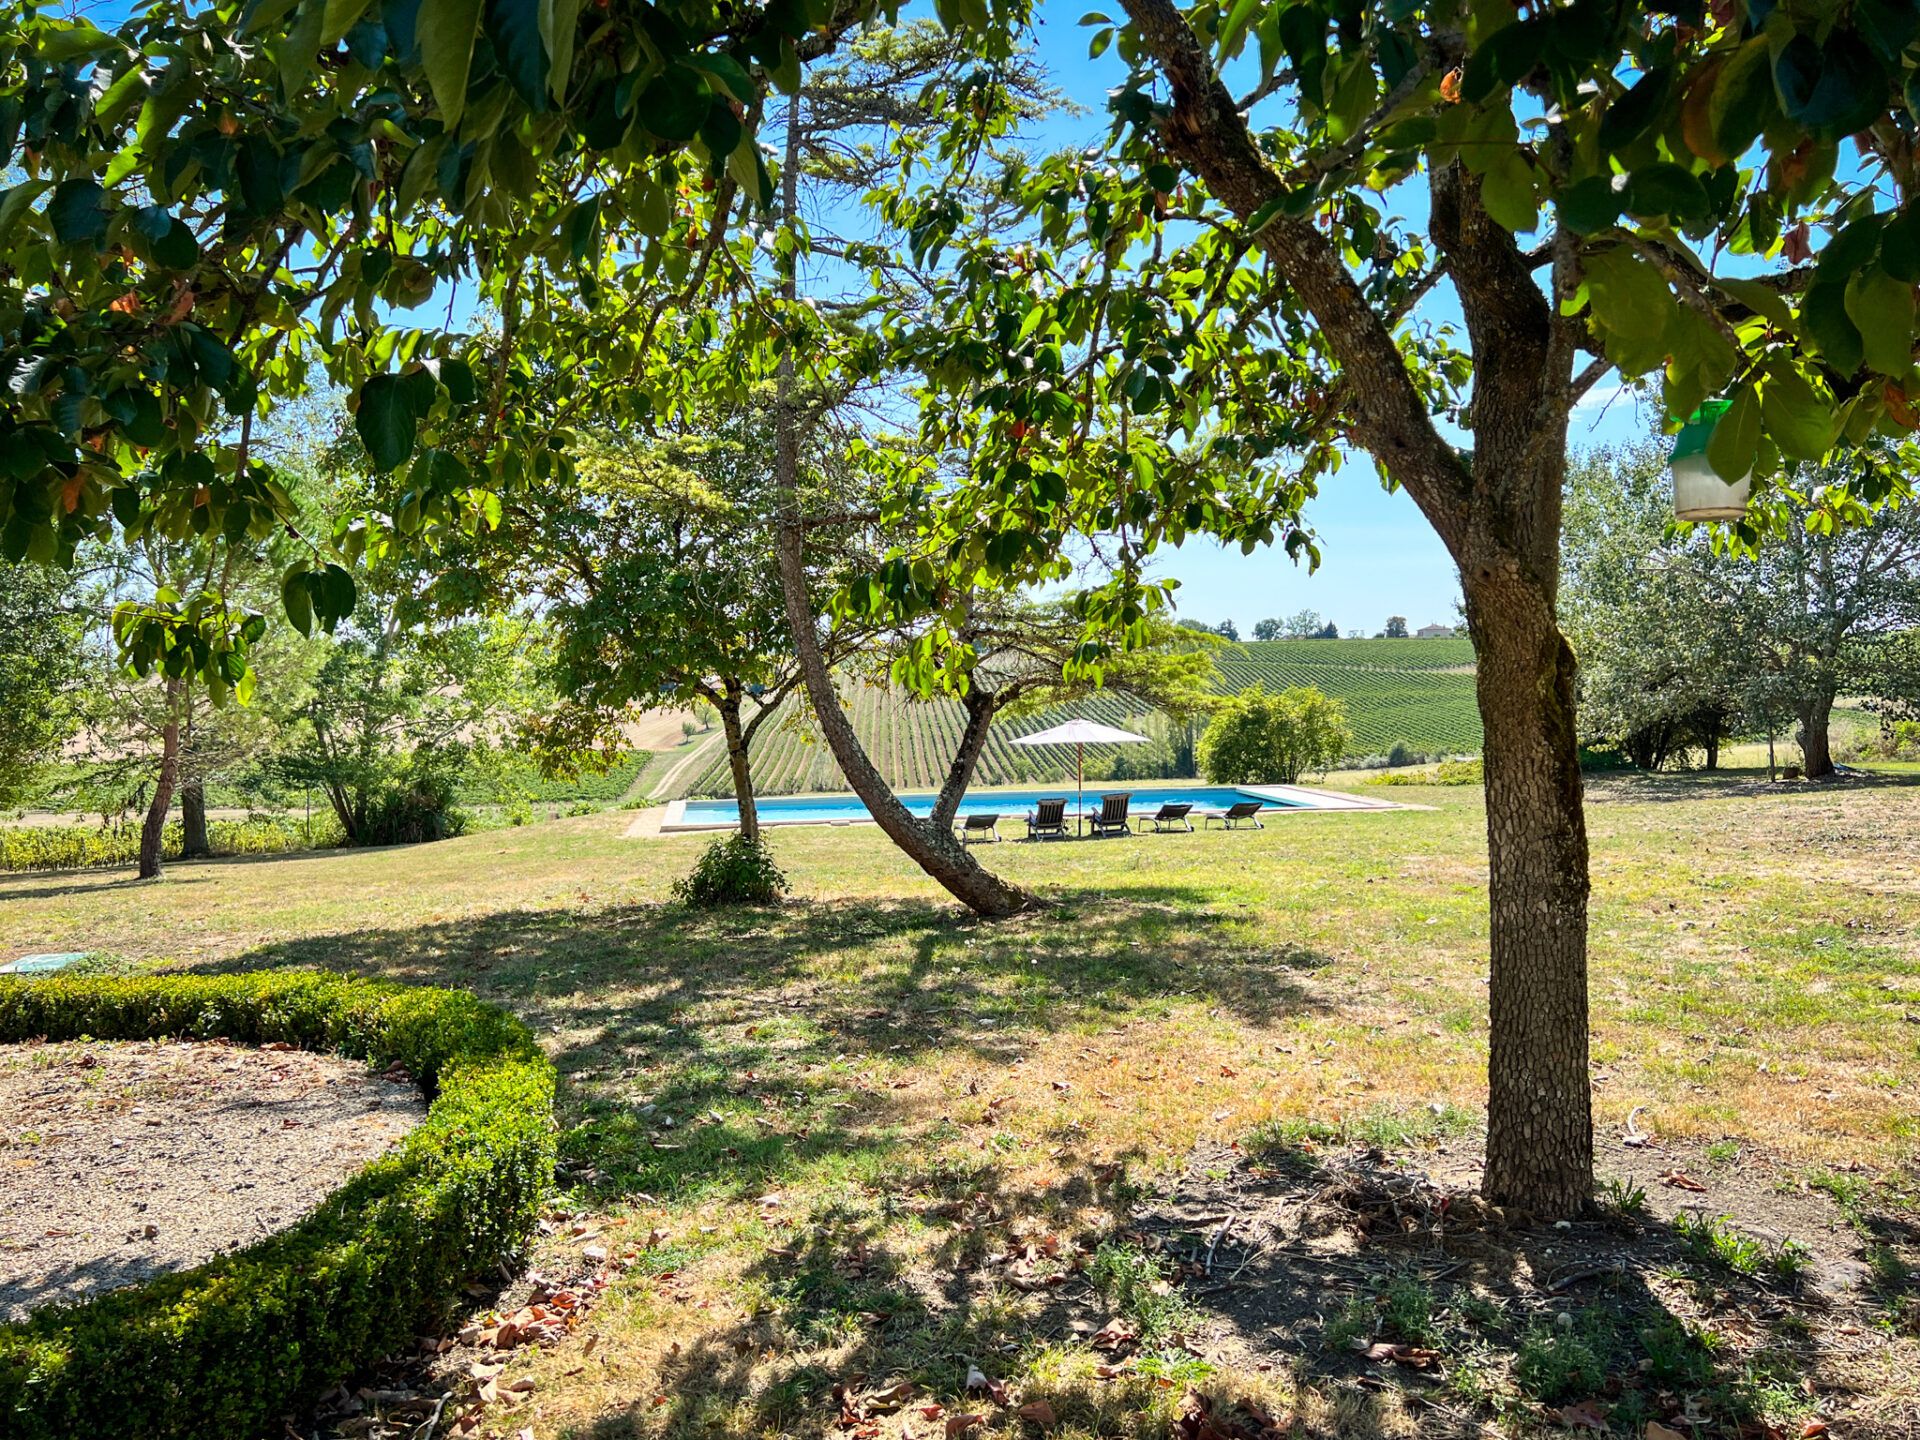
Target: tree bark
{"x":981,"y":708}
{"x":1539,"y":1103}
{"x":1816,"y":747}
{"x":193,"y":821}
{"x":741,"y":765}
{"x":153,"y":830}
{"x":933,"y":849}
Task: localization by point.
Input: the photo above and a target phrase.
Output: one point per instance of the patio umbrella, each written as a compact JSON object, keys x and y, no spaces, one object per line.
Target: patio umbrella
{"x":1081,"y":733}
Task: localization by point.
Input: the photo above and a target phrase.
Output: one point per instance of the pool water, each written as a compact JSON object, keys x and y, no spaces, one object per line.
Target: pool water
{"x":1012,"y":805}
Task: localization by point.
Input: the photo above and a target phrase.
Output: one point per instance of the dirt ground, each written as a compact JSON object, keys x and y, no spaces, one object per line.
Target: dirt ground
{"x":129,"y":1160}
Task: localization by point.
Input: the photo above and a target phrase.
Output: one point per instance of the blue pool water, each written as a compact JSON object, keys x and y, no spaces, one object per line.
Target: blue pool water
{"x":1013,"y":805}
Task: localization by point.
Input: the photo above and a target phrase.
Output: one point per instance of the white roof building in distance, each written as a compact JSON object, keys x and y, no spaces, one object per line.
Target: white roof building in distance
{"x":1435,"y":632}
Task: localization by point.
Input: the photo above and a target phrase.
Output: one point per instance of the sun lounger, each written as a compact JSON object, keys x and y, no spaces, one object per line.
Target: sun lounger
{"x":1112,"y":819}
{"x":1049,"y":821}
{"x":1171,"y":817}
{"x":1242,"y":812}
{"x":979,"y":827}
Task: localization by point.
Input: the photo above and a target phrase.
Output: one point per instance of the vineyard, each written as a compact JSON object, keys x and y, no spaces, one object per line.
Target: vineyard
{"x":1416,"y":691}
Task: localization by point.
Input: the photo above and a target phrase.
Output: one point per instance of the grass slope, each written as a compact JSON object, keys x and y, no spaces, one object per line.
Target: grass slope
{"x":864,"y":1136}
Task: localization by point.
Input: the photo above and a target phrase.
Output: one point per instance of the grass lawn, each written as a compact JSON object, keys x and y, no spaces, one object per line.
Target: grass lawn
{"x":1153,"y":1151}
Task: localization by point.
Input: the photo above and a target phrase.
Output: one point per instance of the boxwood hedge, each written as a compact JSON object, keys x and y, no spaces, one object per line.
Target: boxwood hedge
{"x":228,"y":1348}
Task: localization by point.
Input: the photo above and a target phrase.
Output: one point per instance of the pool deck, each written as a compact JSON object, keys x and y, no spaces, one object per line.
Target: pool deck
{"x":1287,"y":800}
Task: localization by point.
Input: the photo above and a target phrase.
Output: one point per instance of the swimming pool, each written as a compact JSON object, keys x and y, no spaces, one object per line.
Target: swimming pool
{"x":1011,"y":804}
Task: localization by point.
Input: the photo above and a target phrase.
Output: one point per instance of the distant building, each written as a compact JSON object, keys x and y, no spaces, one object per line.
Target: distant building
{"x":1435,"y":632}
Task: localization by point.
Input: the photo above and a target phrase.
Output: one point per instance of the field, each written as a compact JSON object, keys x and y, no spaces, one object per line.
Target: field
{"x":861,"y":1142}
{"x":1416,"y":691}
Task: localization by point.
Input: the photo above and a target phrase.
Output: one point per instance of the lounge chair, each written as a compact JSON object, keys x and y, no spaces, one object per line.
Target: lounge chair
{"x":1241,"y":812}
{"x":1049,"y":821}
{"x":1171,"y":817}
{"x":979,"y":827}
{"x":1112,"y":819}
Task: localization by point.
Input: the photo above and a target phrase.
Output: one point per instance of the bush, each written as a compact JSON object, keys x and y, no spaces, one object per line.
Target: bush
{"x":80,"y":847}
{"x":1256,"y":737}
{"x":228,"y":1348}
{"x":732,"y":871}
{"x":1447,"y":772}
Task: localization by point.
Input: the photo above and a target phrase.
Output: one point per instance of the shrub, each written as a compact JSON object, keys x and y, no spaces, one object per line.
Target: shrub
{"x":732,"y":871}
{"x":80,"y":847}
{"x":1447,"y":772}
{"x":1403,"y":754}
{"x":1257,"y":737}
{"x":228,"y":1348}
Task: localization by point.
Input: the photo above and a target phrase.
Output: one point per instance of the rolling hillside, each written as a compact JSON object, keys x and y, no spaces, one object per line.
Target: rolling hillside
{"x":1419,"y":691}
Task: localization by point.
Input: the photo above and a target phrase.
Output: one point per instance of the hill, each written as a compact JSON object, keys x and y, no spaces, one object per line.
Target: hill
{"x":1417,"y":691}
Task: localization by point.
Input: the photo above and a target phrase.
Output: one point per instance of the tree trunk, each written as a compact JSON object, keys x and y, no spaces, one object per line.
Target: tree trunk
{"x":193,"y":821}
{"x":933,"y":848}
{"x":981,"y":708}
{"x":153,"y":831}
{"x":1539,"y":1107}
{"x":1711,"y":740}
{"x":741,"y":765}
{"x":1816,"y":750}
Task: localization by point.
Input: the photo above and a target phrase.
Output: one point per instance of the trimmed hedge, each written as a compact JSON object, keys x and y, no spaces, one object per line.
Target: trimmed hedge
{"x":228,"y":1348}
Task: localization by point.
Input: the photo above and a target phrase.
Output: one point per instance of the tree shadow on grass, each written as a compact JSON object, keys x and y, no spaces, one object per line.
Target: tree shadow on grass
{"x":715,"y":1053}
{"x":1642,"y":787}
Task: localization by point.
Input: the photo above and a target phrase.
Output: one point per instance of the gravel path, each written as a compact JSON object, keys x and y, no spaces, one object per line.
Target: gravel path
{"x":123,"y":1161}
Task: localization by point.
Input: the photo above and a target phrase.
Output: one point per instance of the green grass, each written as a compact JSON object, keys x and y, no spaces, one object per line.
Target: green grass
{"x":880,"y":1139}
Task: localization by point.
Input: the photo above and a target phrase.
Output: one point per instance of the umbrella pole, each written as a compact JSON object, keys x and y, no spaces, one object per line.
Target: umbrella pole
{"x":1079,"y":790}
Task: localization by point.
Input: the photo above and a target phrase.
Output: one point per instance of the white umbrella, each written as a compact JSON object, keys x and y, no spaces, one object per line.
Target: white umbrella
{"x":1080,"y":733}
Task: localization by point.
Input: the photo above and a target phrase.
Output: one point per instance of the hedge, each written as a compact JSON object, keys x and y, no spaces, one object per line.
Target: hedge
{"x":229,"y":1348}
{"x":81,"y":847}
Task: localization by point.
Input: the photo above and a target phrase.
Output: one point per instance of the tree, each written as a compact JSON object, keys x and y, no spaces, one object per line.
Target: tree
{"x":1266,"y":629}
{"x":1328,"y":631}
{"x":1257,"y":738}
{"x":41,"y":628}
{"x":1666,"y":662}
{"x":1275,"y":299}
{"x":1681,"y":639}
{"x":1304,"y":625}
{"x":1396,"y":627}
{"x":659,"y":575}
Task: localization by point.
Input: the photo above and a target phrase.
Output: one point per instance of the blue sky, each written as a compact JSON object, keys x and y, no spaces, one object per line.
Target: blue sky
{"x":1378,"y":556}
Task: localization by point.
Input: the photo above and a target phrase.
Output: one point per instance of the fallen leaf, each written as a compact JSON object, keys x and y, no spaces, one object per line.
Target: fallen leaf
{"x":1680,"y":1180}
{"x":1585,"y":1415}
{"x":1040,"y":1413}
{"x":960,"y":1424}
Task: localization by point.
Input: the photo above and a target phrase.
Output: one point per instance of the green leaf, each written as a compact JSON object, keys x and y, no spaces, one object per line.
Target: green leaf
{"x":457,"y":377}
{"x":16,"y":202}
{"x":1508,"y":194}
{"x":1628,"y":117}
{"x":294,"y":598}
{"x":334,"y":595}
{"x":1736,"y":439}
{"x":1882,"y":308}
{"x":385,"y":420}
{"x":1664,"y":188}
{"x":515,"y":30}
{"x":1629,"y":296}
{"x":447,"y":31}
{"x":60,"y":41}
{"x":1824,"y":316}
{"x":77,"y":213}
{"x":674,"y":103}
{"x":338,"y":17}
{"x":296,"y":48}
{"x":1743,"y":100}
{"x":1798,"y":418}
{"x":1761,"y":299}
{"x":1589,"y":205}
{"x":1900,"y":245}
{"x":559,"y":28}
